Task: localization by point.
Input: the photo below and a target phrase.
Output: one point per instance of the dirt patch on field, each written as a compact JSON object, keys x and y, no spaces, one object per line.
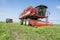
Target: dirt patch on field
{"x":15,"y":34}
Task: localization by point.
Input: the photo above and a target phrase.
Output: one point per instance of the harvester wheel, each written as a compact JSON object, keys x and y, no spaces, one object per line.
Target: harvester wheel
{"x":21,"y":23}
{"x":24,"y":22}
{"x":27,"y":22}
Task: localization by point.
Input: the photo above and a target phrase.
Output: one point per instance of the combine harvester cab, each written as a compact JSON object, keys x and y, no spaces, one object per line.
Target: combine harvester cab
{"x":31,"y":15}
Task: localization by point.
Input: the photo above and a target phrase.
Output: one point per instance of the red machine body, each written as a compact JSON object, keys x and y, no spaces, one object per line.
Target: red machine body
{"x":40,"y":23}
{"x":31,"y":15}
{"x":30,"y":12}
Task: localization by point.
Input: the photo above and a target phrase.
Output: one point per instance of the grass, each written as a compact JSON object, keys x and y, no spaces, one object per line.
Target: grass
{"x":5,"y":33}
{"x":15,"y":31}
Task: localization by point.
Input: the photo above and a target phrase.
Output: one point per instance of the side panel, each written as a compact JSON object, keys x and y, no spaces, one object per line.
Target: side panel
{"x":26,"y":12}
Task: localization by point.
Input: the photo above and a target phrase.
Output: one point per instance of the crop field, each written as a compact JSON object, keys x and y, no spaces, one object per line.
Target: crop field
{"x":15,"y":31}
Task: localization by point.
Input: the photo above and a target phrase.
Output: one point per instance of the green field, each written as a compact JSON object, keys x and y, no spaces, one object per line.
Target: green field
{"x":15,"y":31}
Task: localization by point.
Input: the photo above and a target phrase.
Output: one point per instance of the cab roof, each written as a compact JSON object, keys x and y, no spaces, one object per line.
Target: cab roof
{"x":41,"y":6}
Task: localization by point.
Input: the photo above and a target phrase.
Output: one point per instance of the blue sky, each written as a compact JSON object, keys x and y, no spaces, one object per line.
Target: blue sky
{"x":12,"y":8}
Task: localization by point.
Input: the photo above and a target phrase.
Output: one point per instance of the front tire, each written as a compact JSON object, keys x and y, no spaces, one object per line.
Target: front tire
{"x":24,"y":22}
{"x":27,"y":22}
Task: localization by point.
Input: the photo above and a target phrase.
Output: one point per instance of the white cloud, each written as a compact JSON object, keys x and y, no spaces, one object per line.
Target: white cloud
{"x":58,"y":7}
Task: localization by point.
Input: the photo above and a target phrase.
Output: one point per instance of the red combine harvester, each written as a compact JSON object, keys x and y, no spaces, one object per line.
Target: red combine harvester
{"x":31,"y":15}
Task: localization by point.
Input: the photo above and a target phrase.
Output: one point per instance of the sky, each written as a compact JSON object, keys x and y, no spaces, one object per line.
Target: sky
{"x":13,"y":8}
